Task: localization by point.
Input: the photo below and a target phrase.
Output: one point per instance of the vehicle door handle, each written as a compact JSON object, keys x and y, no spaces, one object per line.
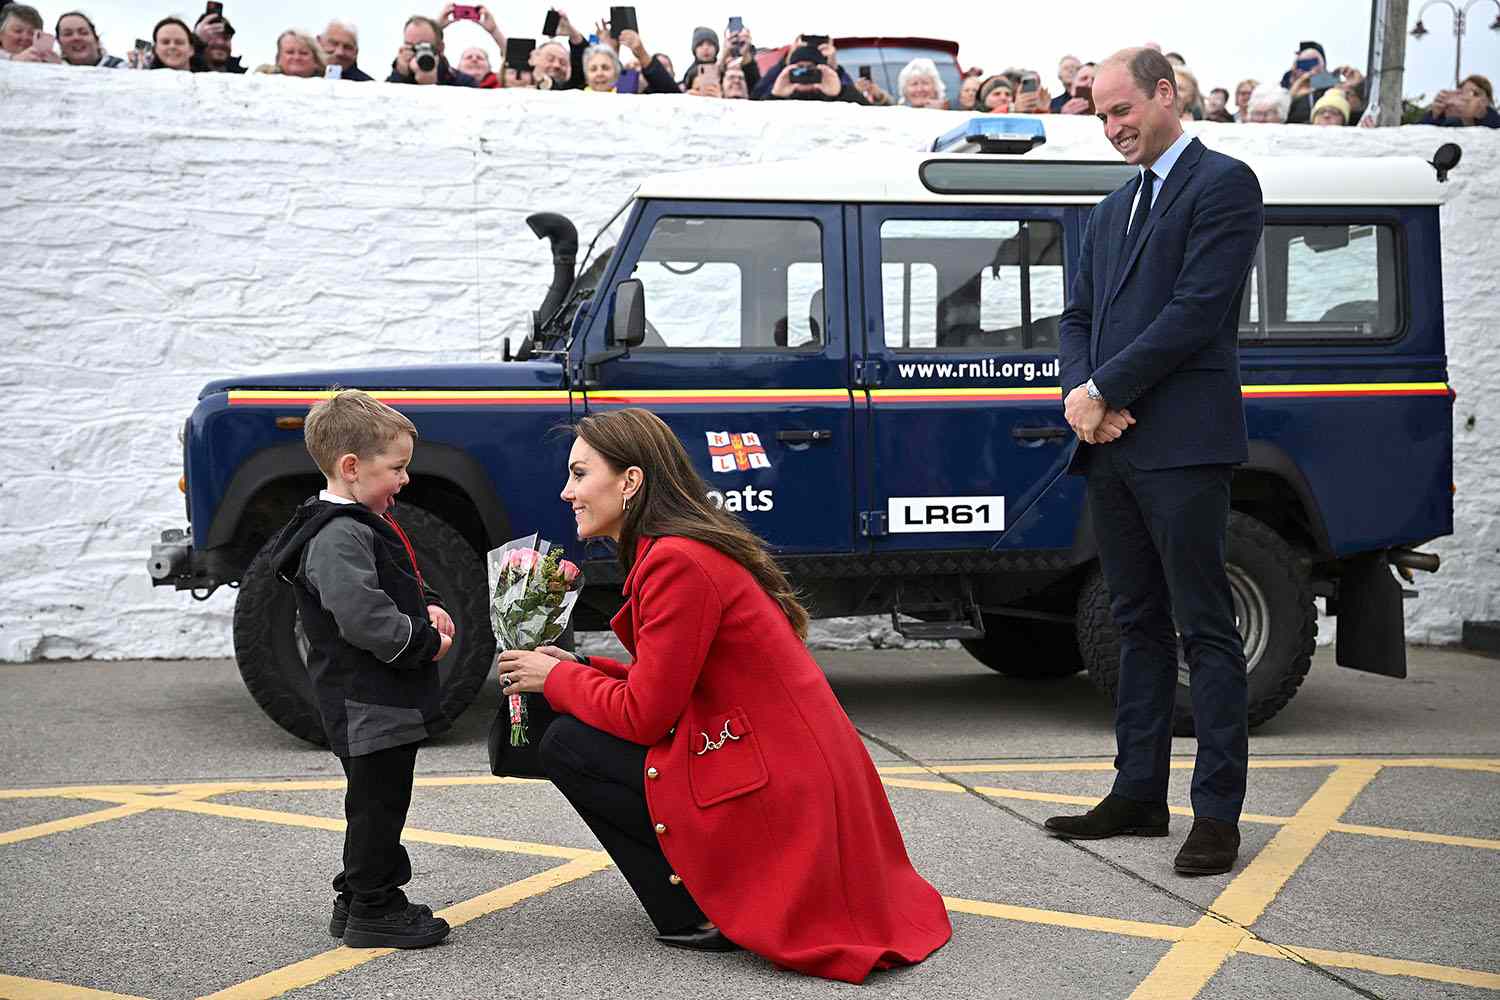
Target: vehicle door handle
{"x":1040,"y":433}
{"x":803,"y":437}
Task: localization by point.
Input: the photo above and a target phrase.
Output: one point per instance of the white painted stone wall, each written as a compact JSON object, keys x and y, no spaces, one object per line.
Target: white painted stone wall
{"x":161,"y":229}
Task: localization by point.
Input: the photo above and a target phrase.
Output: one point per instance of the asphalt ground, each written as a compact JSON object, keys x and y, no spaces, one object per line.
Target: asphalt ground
{"x":159,"y":837}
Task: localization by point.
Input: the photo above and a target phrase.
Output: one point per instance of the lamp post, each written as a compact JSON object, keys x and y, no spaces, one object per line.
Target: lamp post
{"x":1460,"y":19}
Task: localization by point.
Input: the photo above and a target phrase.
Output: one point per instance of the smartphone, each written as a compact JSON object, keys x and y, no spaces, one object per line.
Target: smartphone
{"x":816,"y":41}
{"x":550,"y":24}
{"x":806,"y":74}
{"x":1085,"y":93}
{"x":864,"y":72}
{"x":333,"y":72}
{"x":465,"y":12}
{"x":736,"y":24}
{"x":1310,"y":63}
{"x":622,"y":19}
{"x":518,"y":53}
{"x":708,"y":73}
{"x":213,"y":7}
{"x":1030,"y":82}
{"x":1322,"y":81}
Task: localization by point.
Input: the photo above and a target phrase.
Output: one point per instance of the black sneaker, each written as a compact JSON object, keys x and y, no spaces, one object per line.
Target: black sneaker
{"x":340,"y":918}
{"x":413,"y":927}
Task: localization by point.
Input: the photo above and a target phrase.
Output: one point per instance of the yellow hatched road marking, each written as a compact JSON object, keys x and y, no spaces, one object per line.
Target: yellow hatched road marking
{"x":1191,"y":963}
{"x":75,"y":822}
{"x":1376,"y":963}
{"x":1186,"y":764}
{"x":1421,"y":836}
{"x":337,"y":825}
{"x":1062,"y":918}
{"x":20,"y":988}
{"x":332,"y":963}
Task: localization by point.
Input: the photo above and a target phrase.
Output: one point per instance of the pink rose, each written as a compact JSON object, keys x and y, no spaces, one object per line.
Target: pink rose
{"x":568,"y":570}
{"x":520,"y":560}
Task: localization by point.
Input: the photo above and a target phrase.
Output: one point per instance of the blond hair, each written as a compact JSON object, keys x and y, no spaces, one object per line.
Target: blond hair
{"x":351,"y":422}
{"x":319,"y":56}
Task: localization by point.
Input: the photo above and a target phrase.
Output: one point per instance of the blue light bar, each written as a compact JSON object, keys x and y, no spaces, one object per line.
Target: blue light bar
{"x":993,"y":134}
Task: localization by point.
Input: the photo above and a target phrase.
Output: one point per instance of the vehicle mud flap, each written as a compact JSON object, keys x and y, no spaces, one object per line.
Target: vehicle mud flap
{"x":1372,"y":624}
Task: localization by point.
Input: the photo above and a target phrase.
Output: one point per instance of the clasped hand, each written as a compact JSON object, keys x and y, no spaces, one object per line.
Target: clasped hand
{"x":1092,"y":420}
{"x":527,"y":669}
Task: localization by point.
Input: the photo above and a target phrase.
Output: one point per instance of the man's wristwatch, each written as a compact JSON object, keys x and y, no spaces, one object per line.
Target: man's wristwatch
{"x":1093,"y":390}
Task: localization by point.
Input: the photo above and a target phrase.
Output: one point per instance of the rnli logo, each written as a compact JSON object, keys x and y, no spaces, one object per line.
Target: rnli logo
{"x":736,"y":452}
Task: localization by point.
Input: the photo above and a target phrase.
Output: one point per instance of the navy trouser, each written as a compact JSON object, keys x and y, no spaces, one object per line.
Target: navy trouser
{"x":1161,"y":536}
{"x":376,"y":866}
{"x":603,"y":777}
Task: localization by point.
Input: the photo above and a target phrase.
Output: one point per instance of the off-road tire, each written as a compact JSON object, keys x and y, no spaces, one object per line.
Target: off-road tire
{"x":1027,"y":648}
{"x":271,"y":663}
{"x":1280,"y":573}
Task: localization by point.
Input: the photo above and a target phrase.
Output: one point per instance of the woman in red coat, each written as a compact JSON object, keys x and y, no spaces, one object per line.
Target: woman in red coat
{"x":717,"y":768}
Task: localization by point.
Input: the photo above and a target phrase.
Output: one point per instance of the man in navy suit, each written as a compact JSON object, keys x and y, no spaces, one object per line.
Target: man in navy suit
{"x":1150,"y":376}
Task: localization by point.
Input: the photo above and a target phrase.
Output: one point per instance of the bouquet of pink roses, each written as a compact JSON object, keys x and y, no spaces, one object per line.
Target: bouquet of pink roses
{"x":532,"y":593}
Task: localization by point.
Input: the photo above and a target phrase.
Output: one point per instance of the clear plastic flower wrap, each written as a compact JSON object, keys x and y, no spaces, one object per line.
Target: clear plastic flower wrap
{"x":532,"y":593}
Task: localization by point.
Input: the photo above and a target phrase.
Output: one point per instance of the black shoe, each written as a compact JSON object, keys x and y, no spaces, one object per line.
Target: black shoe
{"x":340,"y":918}
{"x":1114,"y":817}
{"x":413,"y":927}
{"x":1210,"y":849}
{"x":697,"y":939}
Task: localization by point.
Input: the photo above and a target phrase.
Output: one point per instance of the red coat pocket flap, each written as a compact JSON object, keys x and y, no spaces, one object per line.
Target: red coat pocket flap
{"x":727,"y":762}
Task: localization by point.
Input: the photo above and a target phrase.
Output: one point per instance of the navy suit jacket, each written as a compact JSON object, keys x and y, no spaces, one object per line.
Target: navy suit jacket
{"x":1158,"y":333}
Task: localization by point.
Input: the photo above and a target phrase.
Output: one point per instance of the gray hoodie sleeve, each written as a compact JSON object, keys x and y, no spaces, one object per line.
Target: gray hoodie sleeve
{"x":339,"y":566}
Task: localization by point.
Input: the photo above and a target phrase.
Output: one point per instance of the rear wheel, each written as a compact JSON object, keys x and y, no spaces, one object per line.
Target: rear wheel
{"x":271,"y":650}
{"x":1273,"y":609}
{"x":1027,"y":648}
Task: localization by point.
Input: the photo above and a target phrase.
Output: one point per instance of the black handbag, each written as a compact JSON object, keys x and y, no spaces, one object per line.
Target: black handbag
{"x":525,"y":761}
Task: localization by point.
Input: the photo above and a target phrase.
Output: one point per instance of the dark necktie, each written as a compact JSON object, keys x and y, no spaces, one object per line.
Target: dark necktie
{"x":1142,"y":210}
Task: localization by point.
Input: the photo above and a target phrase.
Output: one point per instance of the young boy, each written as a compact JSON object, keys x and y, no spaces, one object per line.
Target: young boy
{"x":374,"y":630}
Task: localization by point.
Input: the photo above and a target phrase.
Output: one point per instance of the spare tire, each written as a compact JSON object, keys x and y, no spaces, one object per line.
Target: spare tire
{"x":270,"y":649}
{"x":1274,"y":611}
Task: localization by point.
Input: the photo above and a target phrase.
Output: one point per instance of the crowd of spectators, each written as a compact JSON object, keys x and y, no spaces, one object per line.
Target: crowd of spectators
{"x":613,"y":59}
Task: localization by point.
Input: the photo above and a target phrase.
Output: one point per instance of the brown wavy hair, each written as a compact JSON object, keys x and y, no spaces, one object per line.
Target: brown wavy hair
{"x":673,"y":500}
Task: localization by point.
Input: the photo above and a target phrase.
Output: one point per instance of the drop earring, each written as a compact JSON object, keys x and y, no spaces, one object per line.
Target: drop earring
{"x":624,"y":503}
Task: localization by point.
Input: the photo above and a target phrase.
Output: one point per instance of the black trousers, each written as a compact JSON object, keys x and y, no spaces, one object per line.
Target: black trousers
{"x":1161,"y":536}
{"x":375,"y":864}
{"x":603,"y":777}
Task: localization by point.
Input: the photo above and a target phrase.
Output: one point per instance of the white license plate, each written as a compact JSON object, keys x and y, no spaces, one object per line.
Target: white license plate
{"x":912,"y":514}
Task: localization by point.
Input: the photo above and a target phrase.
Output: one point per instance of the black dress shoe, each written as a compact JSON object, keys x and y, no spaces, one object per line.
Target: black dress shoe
{"x":697,"y":939}
{"x":1114,"y":817}
{"x":1210,"y":849}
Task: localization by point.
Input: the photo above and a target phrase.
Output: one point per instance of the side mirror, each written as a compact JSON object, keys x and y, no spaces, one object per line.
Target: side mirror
{"x":1445,"y":159}
{"x":627,"y":323}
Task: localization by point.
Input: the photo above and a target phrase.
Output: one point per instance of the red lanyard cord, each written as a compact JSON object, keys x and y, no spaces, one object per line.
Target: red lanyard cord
{"x":410,"y":552}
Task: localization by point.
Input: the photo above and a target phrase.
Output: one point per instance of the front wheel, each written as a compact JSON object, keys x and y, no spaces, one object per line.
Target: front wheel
{"x":271,"y":650}
{"x":1273,"y":610}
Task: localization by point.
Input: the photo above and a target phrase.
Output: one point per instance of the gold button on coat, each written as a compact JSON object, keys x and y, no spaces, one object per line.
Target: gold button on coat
{"x":651,"y":772}
{"x":675,"y":879}
{"x":661,"y":828}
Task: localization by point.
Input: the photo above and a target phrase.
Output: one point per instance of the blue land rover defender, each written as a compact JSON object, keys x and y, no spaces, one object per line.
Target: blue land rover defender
{"x":864,"y":365}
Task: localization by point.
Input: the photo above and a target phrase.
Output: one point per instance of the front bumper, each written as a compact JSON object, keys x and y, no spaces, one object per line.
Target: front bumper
{"x":174,"y":562}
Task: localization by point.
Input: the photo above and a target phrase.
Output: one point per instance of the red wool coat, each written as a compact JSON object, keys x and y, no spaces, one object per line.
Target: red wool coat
{"x":765,"y":801}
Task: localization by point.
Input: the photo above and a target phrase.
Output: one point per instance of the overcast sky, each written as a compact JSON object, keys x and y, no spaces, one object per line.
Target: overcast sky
{"x":1224,"y":42}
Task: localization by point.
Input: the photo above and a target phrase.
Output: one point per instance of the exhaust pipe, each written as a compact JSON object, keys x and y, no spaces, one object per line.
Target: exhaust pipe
{"x":564,"y":237}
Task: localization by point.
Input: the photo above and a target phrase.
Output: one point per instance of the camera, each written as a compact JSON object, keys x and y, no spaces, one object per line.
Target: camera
{"x":806,"y":74}
{"x":465,"y":12}
{"x":425,"y":56}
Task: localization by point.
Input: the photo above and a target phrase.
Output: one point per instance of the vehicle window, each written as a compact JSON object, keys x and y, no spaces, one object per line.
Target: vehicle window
{"x":1322,"y":282}
{"x":722,"y":283}
{"x":961,"y":285}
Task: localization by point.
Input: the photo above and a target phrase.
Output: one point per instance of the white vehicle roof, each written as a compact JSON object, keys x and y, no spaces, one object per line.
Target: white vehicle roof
{"x":886,"y":174}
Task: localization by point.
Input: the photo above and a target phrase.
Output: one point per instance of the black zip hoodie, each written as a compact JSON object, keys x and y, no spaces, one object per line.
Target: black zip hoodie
{"x":364,"y":610}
